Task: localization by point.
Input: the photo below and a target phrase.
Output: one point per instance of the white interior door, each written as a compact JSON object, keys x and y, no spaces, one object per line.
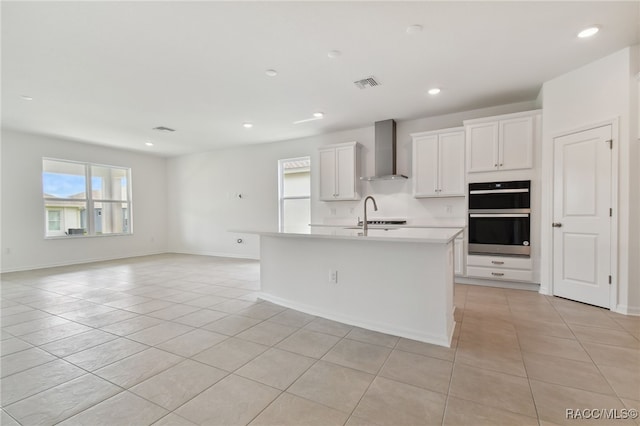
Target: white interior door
{"x":581,"y":212}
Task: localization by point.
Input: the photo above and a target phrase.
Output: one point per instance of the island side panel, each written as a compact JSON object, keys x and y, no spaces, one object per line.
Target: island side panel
{"x":400,"y":288}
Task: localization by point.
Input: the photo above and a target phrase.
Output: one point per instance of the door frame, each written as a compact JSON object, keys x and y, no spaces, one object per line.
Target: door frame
{"x":547,"y":210}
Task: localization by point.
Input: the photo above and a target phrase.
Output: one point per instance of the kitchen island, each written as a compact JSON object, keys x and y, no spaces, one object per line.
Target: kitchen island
{"x":396,"y":281}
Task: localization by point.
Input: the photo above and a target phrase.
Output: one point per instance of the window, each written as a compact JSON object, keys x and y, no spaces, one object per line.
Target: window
{"x":295,"y":194}
{"x":54,"y":221}
{"x":85,"y":199}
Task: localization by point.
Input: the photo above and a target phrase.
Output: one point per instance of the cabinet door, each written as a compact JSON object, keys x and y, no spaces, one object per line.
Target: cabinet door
{"x":458,"y":256}
{"x":328,"y":175}
{"x":482,"y":147}
{"x":516,"y":144}
{"x":451,"y":164}
{"x":425,"y":166}
{"x":346,"y":173}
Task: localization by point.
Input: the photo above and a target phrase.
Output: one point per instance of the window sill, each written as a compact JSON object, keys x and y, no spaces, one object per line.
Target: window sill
{"x":74,"y":237}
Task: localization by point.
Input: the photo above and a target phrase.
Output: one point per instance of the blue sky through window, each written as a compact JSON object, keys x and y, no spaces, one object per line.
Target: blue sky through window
{"x":63,"y":185}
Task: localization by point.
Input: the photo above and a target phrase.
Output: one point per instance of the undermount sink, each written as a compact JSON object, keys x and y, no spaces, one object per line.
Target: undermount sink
{"x":372,"y":229}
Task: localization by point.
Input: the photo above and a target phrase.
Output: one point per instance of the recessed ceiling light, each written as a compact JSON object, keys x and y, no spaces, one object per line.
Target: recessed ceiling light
{"x":316,"y":116}
{"x":247,"y":125}
{"x":413,"y":29}
{"x":148,"y":143}
{"x":26,"y":98}
{"x":271,"y":72}
{"x":164,"y":129}
{"x":588,"y":32}
{"x":334,"y":53}
{"x":434,"y":91}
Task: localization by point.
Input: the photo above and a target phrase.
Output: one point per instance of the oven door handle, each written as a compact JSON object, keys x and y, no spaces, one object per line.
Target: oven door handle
{"x":500,"y":211}
{"x":499,"y":191}
{"x":499,"y":215}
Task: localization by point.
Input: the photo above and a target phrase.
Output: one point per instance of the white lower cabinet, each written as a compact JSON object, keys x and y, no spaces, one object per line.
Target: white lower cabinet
{"x":500,"y":268}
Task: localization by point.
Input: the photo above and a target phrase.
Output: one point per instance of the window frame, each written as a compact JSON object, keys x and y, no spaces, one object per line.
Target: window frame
{"x":88,"y":200}
{"x":281,"y":197}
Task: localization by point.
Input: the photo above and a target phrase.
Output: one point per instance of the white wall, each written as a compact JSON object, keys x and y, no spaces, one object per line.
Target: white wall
{"x":22,"y":218}
{"x":205,"y":185}
{"x":600,"y":91}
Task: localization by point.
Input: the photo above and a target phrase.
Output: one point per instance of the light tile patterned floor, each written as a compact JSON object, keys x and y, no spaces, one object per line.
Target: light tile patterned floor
{"x":182,"y":340}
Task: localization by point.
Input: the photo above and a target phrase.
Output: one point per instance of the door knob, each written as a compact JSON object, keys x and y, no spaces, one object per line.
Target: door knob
{"x":556,"y":225}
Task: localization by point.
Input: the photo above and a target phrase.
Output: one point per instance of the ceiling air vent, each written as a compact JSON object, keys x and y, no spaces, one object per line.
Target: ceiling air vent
{"x":164,"y":129}
{"x":366,"y":82}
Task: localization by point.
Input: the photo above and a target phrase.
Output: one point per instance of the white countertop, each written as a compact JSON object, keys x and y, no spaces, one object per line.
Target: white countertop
{"x":377,"y":226}
{"x":390,"y":234}
{"x":411,"y":222}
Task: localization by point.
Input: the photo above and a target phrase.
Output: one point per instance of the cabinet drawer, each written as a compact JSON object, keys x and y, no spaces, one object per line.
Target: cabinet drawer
{"x":499,"y":274}
{"x":500,"y":262}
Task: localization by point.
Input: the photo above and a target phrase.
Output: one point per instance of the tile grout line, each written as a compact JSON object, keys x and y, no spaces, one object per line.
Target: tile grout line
{"x":455,"y":354}
{"x":593,"y":362}
{"x":533,"y":399}
{"x":227,"y":314}
{"x":375,"y":376}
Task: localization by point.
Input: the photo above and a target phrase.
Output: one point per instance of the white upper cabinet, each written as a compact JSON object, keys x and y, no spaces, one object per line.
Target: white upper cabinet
{"x":500,"y":143}
{"x":339,"y":178}
{"x":482,"y":147}
{"x":438,"y":163}
{"x":516,"y":144}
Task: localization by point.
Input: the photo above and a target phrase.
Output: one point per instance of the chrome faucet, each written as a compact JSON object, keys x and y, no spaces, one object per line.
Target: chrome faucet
{"x":365,"y":224}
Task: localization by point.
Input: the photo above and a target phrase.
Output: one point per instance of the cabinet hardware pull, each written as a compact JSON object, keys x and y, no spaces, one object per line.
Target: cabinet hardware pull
{"x":500,"y":164}
{"x":556,"y":225}
{"x":497,"y":262}
{"x":497,"y":274}
{"x":495,"y":165}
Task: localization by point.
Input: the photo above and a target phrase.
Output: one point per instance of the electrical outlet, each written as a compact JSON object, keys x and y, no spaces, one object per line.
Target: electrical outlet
{"x":333,"y":276}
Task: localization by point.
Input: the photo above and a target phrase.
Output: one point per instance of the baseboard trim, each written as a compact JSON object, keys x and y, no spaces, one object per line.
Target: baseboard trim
{"x":78,"y":262}
{"x":346,"y":319}
{"x":628,"y":310}
{"x":216,"y":254}
{"x":545,"y":291}
{"x":499,"y":284}
{"x":109,"y":258}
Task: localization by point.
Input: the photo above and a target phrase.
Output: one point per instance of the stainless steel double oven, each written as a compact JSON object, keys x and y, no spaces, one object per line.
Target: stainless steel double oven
{"x":500,"y":218}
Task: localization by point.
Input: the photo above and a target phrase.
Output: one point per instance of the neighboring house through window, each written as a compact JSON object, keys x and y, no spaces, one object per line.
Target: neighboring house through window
{"x":85,"y":198}
{"x":294,"y":194}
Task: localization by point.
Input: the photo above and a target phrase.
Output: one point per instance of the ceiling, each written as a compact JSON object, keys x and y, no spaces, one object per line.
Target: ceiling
{"x":109,"y":72}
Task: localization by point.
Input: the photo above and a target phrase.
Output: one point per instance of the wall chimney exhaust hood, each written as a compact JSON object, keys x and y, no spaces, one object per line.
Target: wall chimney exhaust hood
{"x":385,"y":152}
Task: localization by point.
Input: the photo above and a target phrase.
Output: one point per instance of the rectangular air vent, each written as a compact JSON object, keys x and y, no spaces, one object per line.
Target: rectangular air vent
{"x":366,"y":82}
{"x":164,"y":129}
